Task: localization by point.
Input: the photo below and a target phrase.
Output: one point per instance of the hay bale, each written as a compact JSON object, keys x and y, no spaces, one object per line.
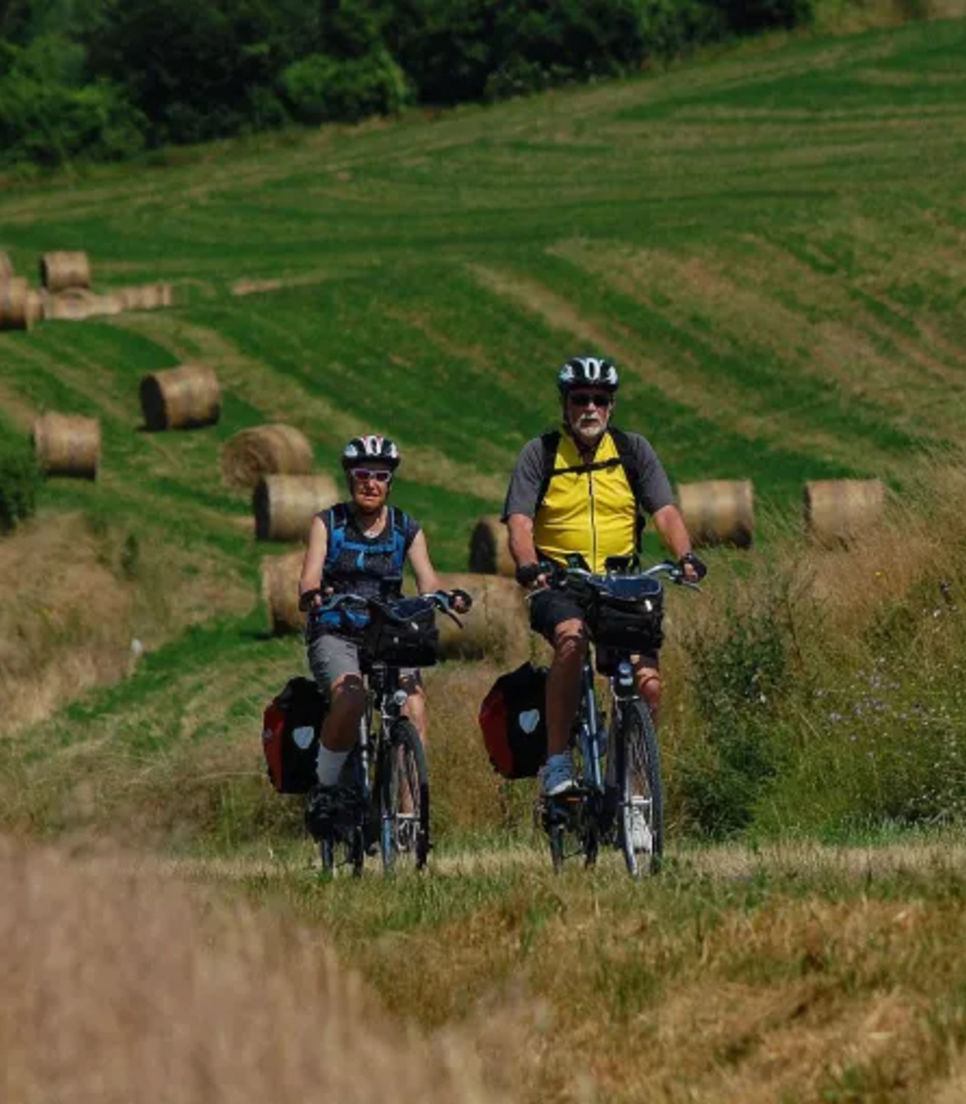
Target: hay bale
{"x":67,"y":444}
{"x":838,"y":511}
{"x":496,"y":627}
{"x":280,"y":580}
{"x":145,"y":296}
{"x":73,"y":305}
{"x":76,"y":304}
{"x":490,"y":547}
{"x":264,"y":450}
{"x":62,"y":270}
{"x":16,"y":312}
{"x":35,"y":308}
{"x":284,"y":505}
{"x":181,"y":398}
{"x":719,"y":511}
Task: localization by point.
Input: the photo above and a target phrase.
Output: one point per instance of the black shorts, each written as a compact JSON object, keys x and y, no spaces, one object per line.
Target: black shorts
{"x":549,"y":607}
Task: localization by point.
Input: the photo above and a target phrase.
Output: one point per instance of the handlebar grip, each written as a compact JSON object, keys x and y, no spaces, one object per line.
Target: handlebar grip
{"x":307,"y":597}
{"x":458,"y":592}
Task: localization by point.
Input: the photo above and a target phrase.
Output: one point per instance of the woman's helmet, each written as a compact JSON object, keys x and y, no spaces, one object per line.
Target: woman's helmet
{"x":587,"y":371}
{"x":370,"y":447}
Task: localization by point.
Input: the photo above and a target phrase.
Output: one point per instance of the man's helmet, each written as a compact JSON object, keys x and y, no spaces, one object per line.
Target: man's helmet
{"x":587,"y":371}
{"x":370,"y":447}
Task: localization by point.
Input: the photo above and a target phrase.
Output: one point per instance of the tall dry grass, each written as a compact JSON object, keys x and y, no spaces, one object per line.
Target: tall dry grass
{"x":119,"y":985}
{"x":816,"y":688}
{"x":77,"y":591}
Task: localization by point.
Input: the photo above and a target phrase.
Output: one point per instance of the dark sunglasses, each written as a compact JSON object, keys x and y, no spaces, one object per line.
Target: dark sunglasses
{"x":380,"y":475}
{"x":585,"y":398}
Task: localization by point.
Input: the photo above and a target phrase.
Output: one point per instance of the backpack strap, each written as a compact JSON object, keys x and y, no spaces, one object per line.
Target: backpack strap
{"x":399,"y":524}
{"x":335,"y":523}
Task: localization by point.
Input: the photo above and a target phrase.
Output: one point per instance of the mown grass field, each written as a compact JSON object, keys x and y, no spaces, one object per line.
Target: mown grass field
{"x":771,"y":244}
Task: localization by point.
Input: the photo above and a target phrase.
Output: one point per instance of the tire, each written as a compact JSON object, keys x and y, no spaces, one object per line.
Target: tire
{"x":640,"y":791}
{"x":403,"y":782}
{"x":556,"y":834}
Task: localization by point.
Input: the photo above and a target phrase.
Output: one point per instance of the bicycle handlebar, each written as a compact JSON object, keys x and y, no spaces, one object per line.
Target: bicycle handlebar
{"x":557,"y":574}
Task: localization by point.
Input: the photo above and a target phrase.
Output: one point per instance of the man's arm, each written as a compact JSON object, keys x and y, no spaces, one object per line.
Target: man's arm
{"x":670,"y":524}
{"x":521,"y":504}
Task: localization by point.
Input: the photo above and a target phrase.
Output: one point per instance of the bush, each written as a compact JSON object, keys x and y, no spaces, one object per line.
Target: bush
{"x":320,"y":88}
{"x":48,"y":115}
{"x":741,"y":673}
{"x":19,"y":481}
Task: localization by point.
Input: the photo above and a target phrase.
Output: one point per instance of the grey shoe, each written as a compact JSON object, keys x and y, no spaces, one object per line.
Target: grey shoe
{"x":557,"y":775}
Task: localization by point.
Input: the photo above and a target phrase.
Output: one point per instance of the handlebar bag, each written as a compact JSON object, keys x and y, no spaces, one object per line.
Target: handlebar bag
{"x":627,"y":612}
{"x":290,"y":736}
{"x":512,"y":719}
{"x":409,"y":638}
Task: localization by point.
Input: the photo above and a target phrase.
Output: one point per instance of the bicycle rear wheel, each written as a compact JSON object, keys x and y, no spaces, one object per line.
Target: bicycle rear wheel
{"x":403,"y":799}
{"x":640,"y":791}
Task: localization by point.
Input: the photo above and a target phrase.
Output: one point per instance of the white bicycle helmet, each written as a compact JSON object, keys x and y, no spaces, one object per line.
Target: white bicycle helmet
{"x":587,"y":371}
{"x":372,"y":446}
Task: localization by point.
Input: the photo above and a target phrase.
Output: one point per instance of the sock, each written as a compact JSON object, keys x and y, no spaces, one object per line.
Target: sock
{"x":329,"y":765}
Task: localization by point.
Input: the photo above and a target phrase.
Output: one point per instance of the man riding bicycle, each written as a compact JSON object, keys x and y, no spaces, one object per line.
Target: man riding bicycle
{"x":584,"y":491}
{"x":358,"y":547}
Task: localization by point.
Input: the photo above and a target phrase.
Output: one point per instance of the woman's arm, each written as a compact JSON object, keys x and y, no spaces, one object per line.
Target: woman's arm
{"x":311,"y":577}
{"x":426,"y":578}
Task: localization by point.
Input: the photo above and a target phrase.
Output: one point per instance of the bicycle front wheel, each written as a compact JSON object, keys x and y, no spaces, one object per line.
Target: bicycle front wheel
{"x":404,"y":799}
{"x":640,"y":791}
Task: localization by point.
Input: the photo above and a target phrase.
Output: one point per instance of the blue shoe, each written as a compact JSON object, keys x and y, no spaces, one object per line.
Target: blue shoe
{"x":557,"y":775}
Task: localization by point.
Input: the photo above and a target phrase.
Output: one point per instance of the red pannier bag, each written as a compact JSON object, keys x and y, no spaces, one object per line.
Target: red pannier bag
{"x":513,"y":722}
{"x":290,"y":736}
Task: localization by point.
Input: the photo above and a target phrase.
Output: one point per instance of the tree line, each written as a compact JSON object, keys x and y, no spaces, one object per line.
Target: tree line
{"x":106,"y":79}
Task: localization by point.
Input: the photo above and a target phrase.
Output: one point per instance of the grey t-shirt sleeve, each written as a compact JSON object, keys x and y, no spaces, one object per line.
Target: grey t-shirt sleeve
{"x":524,"y":489}
{"x":654,"y":487}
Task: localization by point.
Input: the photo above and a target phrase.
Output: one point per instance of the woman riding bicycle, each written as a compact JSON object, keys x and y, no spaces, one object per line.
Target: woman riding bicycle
{"x":357,"y":547}
{"x":583,"y":491}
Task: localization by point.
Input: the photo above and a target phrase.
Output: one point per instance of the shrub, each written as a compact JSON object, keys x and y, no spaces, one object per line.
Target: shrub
{"x":19,"y":482}
{"x":320,"y":88}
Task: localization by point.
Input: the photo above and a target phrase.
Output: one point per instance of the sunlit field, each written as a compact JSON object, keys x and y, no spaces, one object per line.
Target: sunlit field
{"x":771,"y":245}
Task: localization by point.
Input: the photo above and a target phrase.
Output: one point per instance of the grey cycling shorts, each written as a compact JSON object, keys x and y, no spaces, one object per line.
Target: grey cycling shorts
{"x":331,"y":657}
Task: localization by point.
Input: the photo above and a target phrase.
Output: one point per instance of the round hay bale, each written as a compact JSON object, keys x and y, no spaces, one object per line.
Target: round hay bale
{"x":61,"y":270}
{"x":68,"y":444}
{"x":35,"y":308}
{"x":284,"y":505}
{"x":6,"y":267}
{"x":145,"y":296}
{"x":73,"y":305}
{"x":490,"y":547}
{"x":496,"y":627}
{"x":718,"y":511}
{"x":264,"y":450}
{"x":181,"y":398}
{"x":280,"y":581}
{"x":15,"y":311}
{"x":838,"y":511}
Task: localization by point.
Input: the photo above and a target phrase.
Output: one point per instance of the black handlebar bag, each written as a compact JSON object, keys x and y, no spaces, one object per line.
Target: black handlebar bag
{"x":406,"y":637}
{"x":627,"y":613}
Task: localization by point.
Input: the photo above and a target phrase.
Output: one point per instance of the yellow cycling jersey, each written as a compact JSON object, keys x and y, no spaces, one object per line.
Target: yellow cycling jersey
{"x":590,"y":512}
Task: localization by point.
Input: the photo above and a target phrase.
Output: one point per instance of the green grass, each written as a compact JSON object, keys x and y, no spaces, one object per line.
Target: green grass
{"x":771,"y":245}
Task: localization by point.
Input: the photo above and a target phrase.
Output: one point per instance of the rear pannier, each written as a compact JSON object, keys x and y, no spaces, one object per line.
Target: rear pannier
{"x":513,"y":722}
{"x":290,"y":736}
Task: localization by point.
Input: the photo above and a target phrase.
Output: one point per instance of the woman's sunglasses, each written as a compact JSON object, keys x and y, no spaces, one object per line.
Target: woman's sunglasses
{"x":380,"y":475}
{"x":600,"y":399}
